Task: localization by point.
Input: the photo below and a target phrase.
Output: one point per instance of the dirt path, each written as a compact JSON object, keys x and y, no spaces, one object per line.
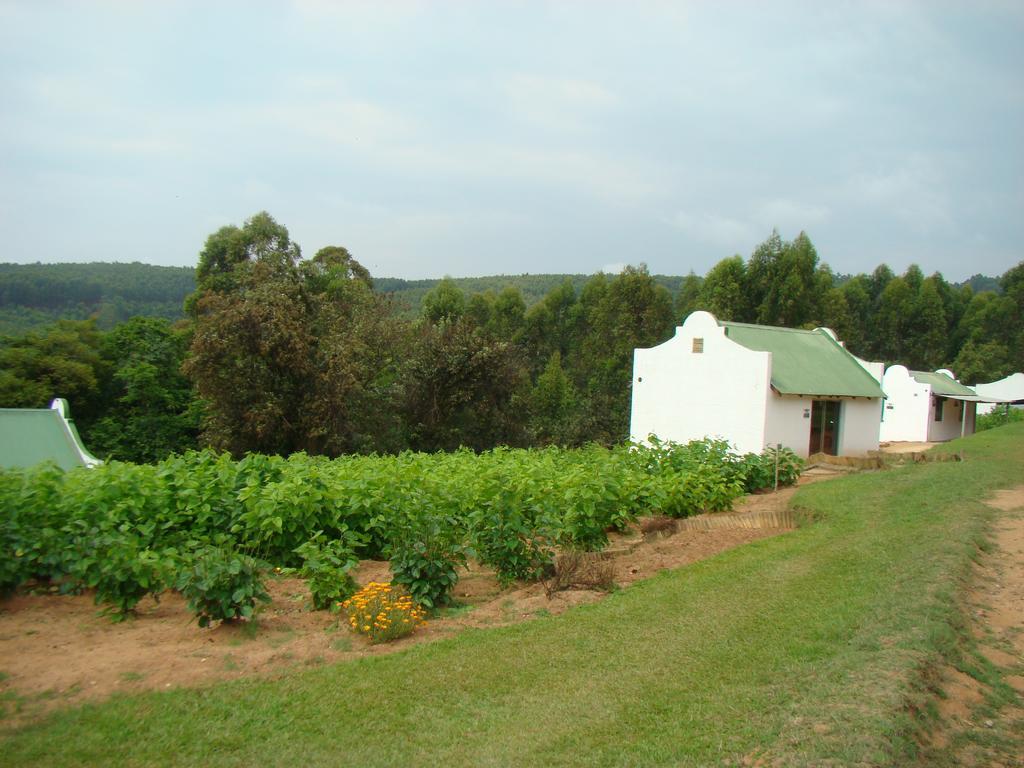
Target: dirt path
{"x":982,"y":725}
{"x":57,"y":651}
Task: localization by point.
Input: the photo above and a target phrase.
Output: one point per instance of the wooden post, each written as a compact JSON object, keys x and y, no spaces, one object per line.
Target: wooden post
{"x":778,"y":447}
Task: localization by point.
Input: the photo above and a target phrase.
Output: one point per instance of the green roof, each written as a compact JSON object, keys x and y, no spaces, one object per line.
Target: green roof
{"x":942,"y":384}
{"x":806,"y":362}
{"x":29,"y":436}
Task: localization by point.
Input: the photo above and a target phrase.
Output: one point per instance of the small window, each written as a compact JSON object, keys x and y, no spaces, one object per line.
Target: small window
{"x":698,"y":345}
{"x":940,"y":403}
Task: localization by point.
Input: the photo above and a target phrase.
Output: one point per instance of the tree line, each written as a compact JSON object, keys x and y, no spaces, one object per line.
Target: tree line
{"x":279,"y":353}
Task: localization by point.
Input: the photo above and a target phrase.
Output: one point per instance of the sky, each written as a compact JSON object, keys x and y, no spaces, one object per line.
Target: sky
{"x":479,"y":138}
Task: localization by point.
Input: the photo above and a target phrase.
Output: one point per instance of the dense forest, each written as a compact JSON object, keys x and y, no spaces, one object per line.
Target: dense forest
{"x":34,"y":295}
{"x":267,"y":351}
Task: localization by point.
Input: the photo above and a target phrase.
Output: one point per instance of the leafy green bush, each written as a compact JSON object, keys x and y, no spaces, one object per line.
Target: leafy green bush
{"x":121,"y":569}
{"x":220,"y":584}
{"x":758,"y":469}
{"x":422,"y":511}
{"x":998,"y":418}
{"x":512,"y":544}
{"x":325,"y":565}
{"x":427,"y":549}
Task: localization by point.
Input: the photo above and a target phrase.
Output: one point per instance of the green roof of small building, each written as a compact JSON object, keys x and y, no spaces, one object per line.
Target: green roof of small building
{"x":30,"y":436}
{"x":942,"y":384}
{"x":806,"y":362}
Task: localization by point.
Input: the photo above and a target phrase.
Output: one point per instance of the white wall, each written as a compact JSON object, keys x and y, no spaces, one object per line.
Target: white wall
{"x":950,"y":426}
{"x":907,"y":407}
{"x":682,"y":395}
{"x":859,"y":426}
{"x":877,"y":370}
{"x":786,"y":423}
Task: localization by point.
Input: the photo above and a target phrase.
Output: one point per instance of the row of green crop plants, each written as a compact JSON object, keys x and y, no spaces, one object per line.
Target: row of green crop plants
{"x":210,"y":526}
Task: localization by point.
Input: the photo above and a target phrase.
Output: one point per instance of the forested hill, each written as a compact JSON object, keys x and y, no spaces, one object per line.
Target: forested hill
{"x":34,"y":295}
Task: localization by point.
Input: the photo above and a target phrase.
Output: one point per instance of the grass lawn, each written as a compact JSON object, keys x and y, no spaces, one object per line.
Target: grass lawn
{"x":809,"y":647}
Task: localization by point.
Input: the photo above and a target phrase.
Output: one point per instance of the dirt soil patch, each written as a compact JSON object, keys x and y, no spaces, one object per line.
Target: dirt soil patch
{"x":978,"y":727}
{"x":57,"y":650}
{"x":905,"y":447}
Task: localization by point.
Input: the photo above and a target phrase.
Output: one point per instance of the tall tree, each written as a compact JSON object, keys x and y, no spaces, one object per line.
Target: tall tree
{"x":446,"y":303}
{"x":724,"y":291}
{"x":150,"y":408}
{"x":461,"y":389}
{"x":291,"y":355}
{"x":761,"y":276}
{"x":554,"y":406}
{"x":789,"y":295}
{"x":631,"y":310}
{"x":927,"y":328}
{"x":689,"y":297}
{"x":890,"y":327}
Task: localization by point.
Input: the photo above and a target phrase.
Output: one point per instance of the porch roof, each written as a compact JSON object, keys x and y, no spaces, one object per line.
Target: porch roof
{"x":943,"y":384}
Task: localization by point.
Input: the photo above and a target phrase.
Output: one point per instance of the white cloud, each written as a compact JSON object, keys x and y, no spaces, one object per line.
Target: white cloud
{"x":915,"y":192}
{"x":729,"y":233}
{"x":789,"y":216}
{"x":556,"y":104}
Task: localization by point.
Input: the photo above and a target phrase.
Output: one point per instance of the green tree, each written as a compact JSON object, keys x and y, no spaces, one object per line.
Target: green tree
{"x":836,"y":314}
{"x":761,"y":277}
{"x":790,"y":294}
{"x":251,"y":361}
{"x":229,"y":251}
{"x":689,"y":297}
{"x":724,"y":293}
{"x":879,"y":279}
{"x":982,"y":362}
{"x":857,"y":294}
{"x":290,"y":355}
{"x":927,"y":328}
{"x":1012,"y":283}
{"x":446,"y":303}
{"x":631,"y":310}
{"x":354,"y":399}
{"x":461,"y":389}
{"x":63,"y":360}
{"x":150,"y":408}
{"x":552,"y":325}
{"x":890,"y":326}
{"x":554,"y":406}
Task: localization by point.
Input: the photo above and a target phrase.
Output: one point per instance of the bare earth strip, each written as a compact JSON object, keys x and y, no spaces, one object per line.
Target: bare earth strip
{"x":972,"y":731}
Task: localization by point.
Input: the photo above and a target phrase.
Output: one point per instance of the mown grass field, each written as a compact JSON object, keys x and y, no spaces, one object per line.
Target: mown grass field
{"x":810,"y":647}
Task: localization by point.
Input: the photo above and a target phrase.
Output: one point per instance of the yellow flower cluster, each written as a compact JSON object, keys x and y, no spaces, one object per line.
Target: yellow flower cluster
{"x":383,"y":612}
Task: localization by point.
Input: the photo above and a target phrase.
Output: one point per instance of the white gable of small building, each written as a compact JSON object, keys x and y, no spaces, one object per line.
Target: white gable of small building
{"x":700,"y":384}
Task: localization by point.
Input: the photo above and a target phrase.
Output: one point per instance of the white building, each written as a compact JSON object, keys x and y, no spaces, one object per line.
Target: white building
{"x":756,"y":386}
{"x":925,"y":407}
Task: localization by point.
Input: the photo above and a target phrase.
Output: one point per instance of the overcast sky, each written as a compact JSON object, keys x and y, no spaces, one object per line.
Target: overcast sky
{"x":481,"y":138}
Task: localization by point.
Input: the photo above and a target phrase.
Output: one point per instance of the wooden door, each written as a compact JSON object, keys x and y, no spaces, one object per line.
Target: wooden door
{"x":824,"y":427}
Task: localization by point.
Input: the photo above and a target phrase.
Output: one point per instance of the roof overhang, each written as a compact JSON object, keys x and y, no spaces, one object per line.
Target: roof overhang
{"x":975,"y":399}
